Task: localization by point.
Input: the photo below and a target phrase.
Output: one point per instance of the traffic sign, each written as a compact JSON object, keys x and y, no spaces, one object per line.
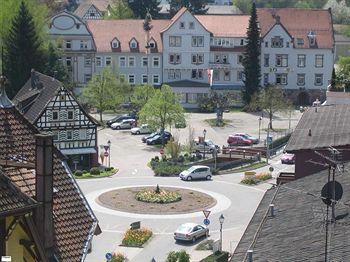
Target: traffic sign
{"x":109,"y":256}
{"x":206,"y":213}
{"x":161,"y":151}
{"x":271,"y":169}
{"x":106,"y":153}
{"x":206,"y":222}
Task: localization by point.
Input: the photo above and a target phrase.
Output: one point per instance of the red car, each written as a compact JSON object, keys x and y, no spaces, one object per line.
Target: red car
{"x":288,"y":159}
{"x":238,"y":141}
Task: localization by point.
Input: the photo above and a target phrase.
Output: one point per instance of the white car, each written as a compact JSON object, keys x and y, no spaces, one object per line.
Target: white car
{"x":190,"y":232}
{"x":196,"y":172}
{"x":207,"y":146}
{"x":124,"y":124}
{"x":142,"y":129}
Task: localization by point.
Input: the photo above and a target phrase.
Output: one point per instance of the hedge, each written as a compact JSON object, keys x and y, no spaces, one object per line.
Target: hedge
{"x":279,"y":142}
{"x":217,"y":257}
{"x":165,"y":168}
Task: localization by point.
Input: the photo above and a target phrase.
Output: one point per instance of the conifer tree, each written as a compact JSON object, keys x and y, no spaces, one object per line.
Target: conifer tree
{"x":197,"y":7}
{"x":23,"y":51}
{"x":140,"y":8}
{"x":251,"y":60}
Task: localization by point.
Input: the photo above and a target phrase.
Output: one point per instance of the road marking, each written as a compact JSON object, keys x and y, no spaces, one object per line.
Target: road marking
{"x":222,"y":203}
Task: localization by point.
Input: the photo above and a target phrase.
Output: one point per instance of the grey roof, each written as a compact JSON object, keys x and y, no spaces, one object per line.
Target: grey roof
{"x":297,"y":231}
{"x":226,"y":87}
{"x":187,"y":83}
{"x":330,"y":126}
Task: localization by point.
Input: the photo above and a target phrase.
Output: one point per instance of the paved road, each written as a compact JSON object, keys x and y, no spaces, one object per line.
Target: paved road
{"x":237,"y":202}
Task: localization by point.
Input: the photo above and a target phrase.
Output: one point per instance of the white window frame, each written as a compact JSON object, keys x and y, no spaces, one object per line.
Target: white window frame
{"x":133,"y":76}
{"x":99,"y":61}
{"x":133,"y":44}
{"x":58,"y":115}
{"x":301,"y":60}
{"x":120,"y":61}
{"x":266,"y":78}
{"x":174,"y":58}
{"x":108,"y":58}
{"x":144,"y":59}
{"x":299,"y":77}
{"x":115,"y":42}
{"x":68,"y":60}
{"x":143,"y":78}
{"x":68,"y":42}
{"x":227,"y":75}
{"x":71,"y":132}
{"x":197,"y":59}
{"x":320,"y":76}
{"x":157,"y":77}
{"x":319,"y":61}
{"x":156,"y":58}
{"x":195,"y":41}
{"x":131,"y":61}
{"x":68,"y":114}
{"x":283,"y":79}
{"x":266,"y":60}
{"x":175,"y":41}
{"x":83,"y":45}
{"x":87,"y":61}
{"x":281,"y":60}
{"x":277,"y":42}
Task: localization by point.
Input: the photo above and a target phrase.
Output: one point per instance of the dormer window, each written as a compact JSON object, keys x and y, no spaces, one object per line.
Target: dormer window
{"x":312,"y":38}
{"x":115,"y":43}
{"x":276,"y":42}
{"x":300,"y":41}
{"x":133,"y":44}
{"x":152,"y":44}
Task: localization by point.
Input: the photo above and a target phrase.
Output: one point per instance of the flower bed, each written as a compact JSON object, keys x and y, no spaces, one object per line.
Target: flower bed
{"x":136,"y":237}
{"x":256,"y":178}
{"x":160,"y":196}
{"x":95,"y":173}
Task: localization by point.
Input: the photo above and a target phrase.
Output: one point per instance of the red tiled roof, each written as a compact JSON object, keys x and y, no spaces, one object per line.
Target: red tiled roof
{"x":74,"y":222}
{"x":225,"y":25}
{"x":104,"y":31}
{"x":298,"y":23}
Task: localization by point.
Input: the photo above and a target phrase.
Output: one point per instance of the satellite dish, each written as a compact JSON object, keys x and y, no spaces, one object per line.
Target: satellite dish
{"x":328,"y":191}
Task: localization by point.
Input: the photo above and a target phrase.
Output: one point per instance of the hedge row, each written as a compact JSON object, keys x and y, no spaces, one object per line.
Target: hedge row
{"x":279,"y":142}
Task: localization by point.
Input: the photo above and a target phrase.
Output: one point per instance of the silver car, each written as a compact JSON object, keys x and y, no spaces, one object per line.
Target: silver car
{"x":143,"y":129}
{"x":196,"y":172}
{"x":190,"y":232}
{"x":124,"y":124}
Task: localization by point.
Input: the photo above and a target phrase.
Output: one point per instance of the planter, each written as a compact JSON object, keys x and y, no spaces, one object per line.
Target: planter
{"x":249,"y":175}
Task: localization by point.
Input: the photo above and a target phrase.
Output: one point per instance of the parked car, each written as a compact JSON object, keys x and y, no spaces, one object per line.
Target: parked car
{"x":157,"y":139}
{"x":207,"y":145}
{"x":247,"y":136}
{"x":190,"y":232}
{"x":142,"y":129}
{"x":238,"y":141}
{"x":196,"y":172}
{"x":119,"y":118}
{"x":144,"y":139}
{"x":288,"y":159}
{"x":124,"y":124}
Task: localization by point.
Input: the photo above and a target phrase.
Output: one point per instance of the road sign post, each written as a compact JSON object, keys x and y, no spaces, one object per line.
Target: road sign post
{"x":206,"y":221}
{"x":206,"y":213}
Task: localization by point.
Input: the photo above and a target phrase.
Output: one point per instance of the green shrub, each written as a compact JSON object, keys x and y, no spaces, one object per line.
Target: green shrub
{"x":178,"y":256}
{"x":217,"y":257}
{"x":249,"y":181}
{"x":85,"y":171}
{"x":107,"y":169}
{"x":95,"y":171}
{"x":78,"y":173}
{"x":167,"y":168}
{"x":136,"y":237}
{"x":264,"y":176}
{"x":118,"y":257}
{"x":279,"y":142}
{"x":181,"y":159}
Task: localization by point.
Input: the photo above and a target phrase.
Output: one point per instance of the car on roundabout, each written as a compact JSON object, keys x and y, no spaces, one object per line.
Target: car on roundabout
{"x":142,"y":129}
{"x":190,"y":232}
{"x":196,"y":172}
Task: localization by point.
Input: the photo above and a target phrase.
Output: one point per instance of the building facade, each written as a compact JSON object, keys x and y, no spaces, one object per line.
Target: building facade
{"x":54,"y":110}
{"x":197,"y":54}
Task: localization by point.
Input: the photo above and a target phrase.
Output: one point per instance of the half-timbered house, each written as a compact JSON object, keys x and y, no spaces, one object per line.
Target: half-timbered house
{"x":47,"y":104}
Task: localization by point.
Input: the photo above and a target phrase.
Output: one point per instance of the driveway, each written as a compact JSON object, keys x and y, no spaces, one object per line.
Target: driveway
{"x":235,"y":201}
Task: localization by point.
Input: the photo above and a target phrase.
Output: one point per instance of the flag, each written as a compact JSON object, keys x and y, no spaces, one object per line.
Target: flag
{"x":210,"y":76}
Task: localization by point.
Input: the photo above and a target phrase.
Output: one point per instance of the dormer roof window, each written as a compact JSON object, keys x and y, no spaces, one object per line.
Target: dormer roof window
{"x":152,"y":44}
{"x":300,"y":41}
{"x":312,"y":38}
{"x":133,"y":43}
{"x":115,"y":43}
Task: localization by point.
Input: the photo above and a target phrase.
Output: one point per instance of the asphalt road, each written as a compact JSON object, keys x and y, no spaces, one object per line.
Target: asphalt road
{"x":235,"y":201}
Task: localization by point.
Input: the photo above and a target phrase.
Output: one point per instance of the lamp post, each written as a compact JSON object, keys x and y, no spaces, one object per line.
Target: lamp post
{"x":204,"y":133}
{"x":260,"y":118}
{"x":221,"y":220}
{"x":109,"y":153}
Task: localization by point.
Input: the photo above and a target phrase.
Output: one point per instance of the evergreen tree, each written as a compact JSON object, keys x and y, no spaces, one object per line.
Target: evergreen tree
{"x":197,"y":7}
{"x":22,"y":50}
{"x":120,"y":10}
{"x":251,"y":60}
{"x":140,"y":7}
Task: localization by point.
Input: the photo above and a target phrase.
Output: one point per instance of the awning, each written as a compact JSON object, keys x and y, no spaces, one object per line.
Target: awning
{"x":78,"y":151}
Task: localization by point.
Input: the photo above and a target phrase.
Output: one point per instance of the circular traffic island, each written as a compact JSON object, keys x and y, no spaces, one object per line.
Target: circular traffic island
{"x":156,"y":200}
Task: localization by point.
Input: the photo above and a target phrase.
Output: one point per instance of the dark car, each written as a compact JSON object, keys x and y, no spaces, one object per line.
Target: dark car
{"x":144,"y":139}
{"x":157,"y":139}
{"x":120,"y":118}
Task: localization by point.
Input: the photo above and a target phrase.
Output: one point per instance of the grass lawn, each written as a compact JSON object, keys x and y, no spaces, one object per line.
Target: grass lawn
{"x":249,"y":167}
{"x":212,"y":122}
{"x":236,"y":109}
{"x":102,"y":174}
{"x":205,"y":245}
{"x":276,"y":130}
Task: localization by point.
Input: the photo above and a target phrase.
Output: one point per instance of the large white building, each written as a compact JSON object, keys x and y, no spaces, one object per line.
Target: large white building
{"x":297,"y":56}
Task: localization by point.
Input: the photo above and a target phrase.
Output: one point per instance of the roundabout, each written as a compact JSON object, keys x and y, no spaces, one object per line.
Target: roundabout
{"x":146,"y":200}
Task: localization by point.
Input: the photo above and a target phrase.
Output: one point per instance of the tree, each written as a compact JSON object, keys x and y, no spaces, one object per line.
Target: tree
{"x":178,"y":256}
{"x":271,"y":100}
{"x":54,"y":67}
{"x":344,"y":72}
{"x":120,"y":10}
{"x":333,"y":79}
{"x":251,"y":59}
{"x":105,"y":91}
{"x":141,"y":95}
{"x":163,"y":109}
{"x":140,"y":7}
{"x":196,"y":7}
{"x":22,"y":50}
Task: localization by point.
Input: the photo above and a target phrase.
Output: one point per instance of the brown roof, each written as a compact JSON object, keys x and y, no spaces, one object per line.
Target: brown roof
{"x":46,"y":88}
{"x":298,"y":23}
{"x":104,"y":31}
{"x":225,"y":25}
{"x":74,"y":221}
{"x":329,"y":126}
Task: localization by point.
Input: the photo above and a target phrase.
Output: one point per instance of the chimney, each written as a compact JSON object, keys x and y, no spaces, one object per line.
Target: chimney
{"x":250,"y":255}
{"x":309,"y":132}
{"x":272,"y":210}
{"x":43,"y":215}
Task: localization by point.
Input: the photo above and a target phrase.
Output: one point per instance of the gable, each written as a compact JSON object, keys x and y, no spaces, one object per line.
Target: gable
{"x":93,"y":13}
{"x":65,"y":23}
{"x":277,"y":30}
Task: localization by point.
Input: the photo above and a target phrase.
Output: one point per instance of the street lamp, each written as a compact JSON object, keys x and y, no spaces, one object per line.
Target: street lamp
{"x":109,"y":153}
{"x":260,"y":118}
{"x":221,"y":220}
{"x":204,"y":133}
